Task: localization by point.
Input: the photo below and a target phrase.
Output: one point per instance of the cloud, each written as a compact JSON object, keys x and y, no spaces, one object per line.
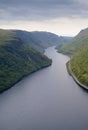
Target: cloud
{"x":42,"y":9}
{"x":65,"y":17}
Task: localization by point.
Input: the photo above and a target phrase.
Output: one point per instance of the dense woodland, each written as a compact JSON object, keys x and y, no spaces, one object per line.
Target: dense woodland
{"x":17,"y":59}
{"x":77,"y":48}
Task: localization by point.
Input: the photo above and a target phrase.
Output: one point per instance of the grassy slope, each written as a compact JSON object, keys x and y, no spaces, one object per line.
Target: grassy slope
{"x":17,"y":59}
{"x":6,"y":36}
{"x":75,"y":44}
{"x":78,"y":50}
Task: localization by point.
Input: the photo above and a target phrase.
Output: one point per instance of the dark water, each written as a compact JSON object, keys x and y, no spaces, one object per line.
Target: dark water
{"x":46,"y":100}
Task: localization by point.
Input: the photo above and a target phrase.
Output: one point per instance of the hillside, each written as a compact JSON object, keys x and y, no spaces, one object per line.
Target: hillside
{"x":78,"y":50}
{"x":40,"y":40}
{"x":79,"y":65}
{"x":29,"y":38}
{"x":20,"y":54}
{"x":75,"y":44}
{"x":49,"y":39}
{"x":17,"y":59}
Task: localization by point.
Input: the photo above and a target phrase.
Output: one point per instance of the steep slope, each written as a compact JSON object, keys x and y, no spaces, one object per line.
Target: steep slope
{"x":29,"y":38}
{"x":49,"y":39}
{"x":79,"y":65}
{"x":19,"y":56}
{"x":40,"y":40}
{"x":17,"y":59}
{"x":78,"y":50}
{"x":75,"y":44}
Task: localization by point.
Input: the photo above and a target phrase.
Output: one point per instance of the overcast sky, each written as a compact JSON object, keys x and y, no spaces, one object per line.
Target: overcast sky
{"x":63,"y":17}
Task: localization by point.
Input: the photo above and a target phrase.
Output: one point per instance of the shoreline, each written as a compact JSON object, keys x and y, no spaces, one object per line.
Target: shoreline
{"x":72,"y":74}
{"x":24,"y":76}
{"x":74,"y":77}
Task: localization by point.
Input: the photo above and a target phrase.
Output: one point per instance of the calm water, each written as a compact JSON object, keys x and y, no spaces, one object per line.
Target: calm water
{"x":46,"y":100}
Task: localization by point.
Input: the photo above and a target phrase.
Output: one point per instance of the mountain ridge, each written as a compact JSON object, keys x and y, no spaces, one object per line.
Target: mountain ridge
{"x":40,"y":40}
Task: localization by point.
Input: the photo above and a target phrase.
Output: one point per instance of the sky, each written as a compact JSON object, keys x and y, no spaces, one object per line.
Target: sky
{"x":62,"y":17}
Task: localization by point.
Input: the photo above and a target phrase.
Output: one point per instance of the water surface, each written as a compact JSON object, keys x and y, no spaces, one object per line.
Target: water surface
{"x":46,"y":100}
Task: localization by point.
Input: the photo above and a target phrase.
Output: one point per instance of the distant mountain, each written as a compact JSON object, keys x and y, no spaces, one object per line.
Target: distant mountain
{"x":77,"y":48}
{"x":49,"y":39}
{"x":40,"y":40}
{"x":17,"y":59}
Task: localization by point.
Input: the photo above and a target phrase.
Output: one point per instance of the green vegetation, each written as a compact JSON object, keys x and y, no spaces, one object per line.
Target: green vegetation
{"x":40,"y":40}
{"x":20,"y":54}
{"x":48,"y":39}
{"x":79,"y":65}
{"x":78,"y":50}
{"x":75,"y":44}
{"x":6,"y":36}
{"x":17,"y":60}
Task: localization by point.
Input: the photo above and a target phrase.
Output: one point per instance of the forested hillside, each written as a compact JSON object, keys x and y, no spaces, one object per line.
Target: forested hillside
{"x":17,"y":59}
{"x":40,"y":40}
{"x":49,"y":39}
{"x":75,"y":44}
{"x":79,"y":65}
{"x":78,"y":50}
{"x":20,"y":54}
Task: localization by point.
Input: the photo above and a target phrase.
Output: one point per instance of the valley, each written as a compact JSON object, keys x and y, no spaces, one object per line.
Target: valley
{"x":22,"y":53}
